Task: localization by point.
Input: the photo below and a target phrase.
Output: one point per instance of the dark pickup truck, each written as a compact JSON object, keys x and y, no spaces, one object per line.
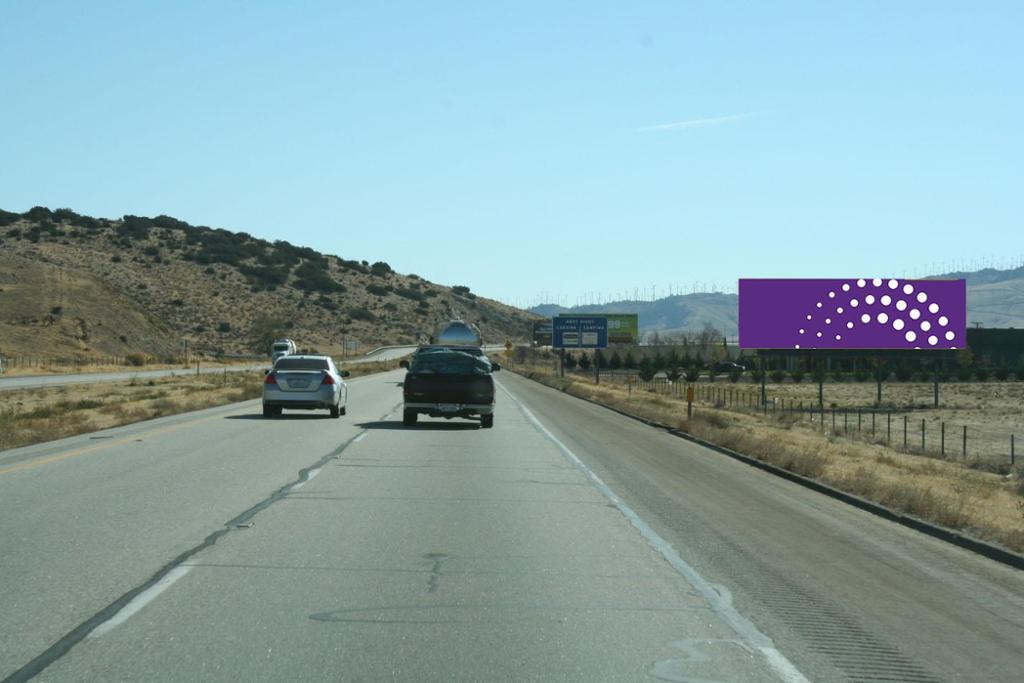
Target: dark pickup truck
{"x":448,"y":382}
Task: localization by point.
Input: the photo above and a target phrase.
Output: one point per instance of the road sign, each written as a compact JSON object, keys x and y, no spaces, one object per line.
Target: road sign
{"x":580,"y":332}
{"x":542,"y":333}
{"x":623,"y":328}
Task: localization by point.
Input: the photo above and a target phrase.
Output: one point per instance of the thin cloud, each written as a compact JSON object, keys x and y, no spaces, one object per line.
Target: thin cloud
{"x":699,"y":123}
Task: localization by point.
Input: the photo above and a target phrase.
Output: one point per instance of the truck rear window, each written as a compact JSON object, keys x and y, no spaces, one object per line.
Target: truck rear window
{"x":448,"y":362}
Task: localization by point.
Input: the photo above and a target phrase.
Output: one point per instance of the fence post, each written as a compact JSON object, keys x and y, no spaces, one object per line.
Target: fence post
{"x":1012,"y":455}
{"x":833,"y":419}
{"x":858,"y":420}
{"x":888,"y":427}
{"x":872,"y":424}
{"x":922,"y":433}
{"x":846,"y":421}
{"x":942,"y":438}
{"x":904,"y":432}
{"x":965,"y":441}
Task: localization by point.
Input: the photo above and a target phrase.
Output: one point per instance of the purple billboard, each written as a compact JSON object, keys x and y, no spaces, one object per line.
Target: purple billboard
{"x":853,"y":314}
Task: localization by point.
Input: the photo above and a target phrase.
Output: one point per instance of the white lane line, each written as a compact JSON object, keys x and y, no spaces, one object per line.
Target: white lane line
{"x":309,"y":478}
{"x":360,"y":437}
{"x":720,"y":600}
{"x":141,"y":600}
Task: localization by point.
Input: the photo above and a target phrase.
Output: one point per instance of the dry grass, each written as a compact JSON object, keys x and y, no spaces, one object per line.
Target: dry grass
{"x":985,"y":504}
{"x":36,"y":415}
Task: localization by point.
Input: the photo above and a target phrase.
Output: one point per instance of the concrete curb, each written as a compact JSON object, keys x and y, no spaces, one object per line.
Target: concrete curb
{"x":984,"y":548}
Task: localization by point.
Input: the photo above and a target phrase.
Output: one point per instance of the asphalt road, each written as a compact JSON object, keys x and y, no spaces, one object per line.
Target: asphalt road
{"x":566,"y":543}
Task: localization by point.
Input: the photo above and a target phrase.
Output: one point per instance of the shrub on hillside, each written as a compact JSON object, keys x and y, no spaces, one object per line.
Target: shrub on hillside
{"x":982,"y":374}
{"x":777,"y":376}
{"x":797,"y":375}
{"x":360,"y":313}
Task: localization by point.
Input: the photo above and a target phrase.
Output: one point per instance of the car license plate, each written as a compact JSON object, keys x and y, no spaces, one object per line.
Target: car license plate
{"x":448,"y":407}
{"x":299,"y":384}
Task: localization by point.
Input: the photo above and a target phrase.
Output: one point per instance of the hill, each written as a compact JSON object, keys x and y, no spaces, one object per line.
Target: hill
{"x":77,"y":285}
{"x":995,"y":298}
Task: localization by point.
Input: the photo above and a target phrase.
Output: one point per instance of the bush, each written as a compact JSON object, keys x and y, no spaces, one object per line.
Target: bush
{"x":38,"y":213}
{"x":136,"y":359}
{"x":692,"y":373}
{"x":964,"y":374}
{"x":797,"y":375}
{"x":838,"y":376}
{"x":673,"y":374}
{"x":1002,"y":373}
{"x":223,"y":327}
{"x":569,"y":361}
{"x":982,"y":374}
{"x":861,"y":375}
{"x":734,"y":375}
{"x":360,"y":313}
{"x":380,"y":269}
{"x":1018,"y":372}
{"x":904,"y":374}
{"x":756,"y":375}
{"x":410,"y":293}
{"x":777,"y":376}
{"x":584,"y":362}
{"x":378,"y":290}
{"x":615,"y":362}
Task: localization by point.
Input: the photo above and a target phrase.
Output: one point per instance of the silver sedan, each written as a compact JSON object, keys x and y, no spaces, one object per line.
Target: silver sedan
{"x":304,"y":382}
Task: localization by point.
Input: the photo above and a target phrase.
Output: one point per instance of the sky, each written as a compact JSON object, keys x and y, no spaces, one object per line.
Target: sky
{"x":536,"y":151}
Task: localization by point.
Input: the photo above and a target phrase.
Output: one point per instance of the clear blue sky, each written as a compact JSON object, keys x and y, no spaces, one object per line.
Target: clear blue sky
{"x":527,"y":148}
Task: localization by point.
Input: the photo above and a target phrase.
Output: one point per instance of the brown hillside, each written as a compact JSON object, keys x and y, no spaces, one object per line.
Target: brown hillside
{"x":74,"y":285}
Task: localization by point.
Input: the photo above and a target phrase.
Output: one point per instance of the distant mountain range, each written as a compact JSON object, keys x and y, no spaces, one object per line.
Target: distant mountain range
{"x":995,"y":298}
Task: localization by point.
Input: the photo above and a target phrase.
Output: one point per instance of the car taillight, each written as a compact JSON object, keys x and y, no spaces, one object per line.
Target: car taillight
{"x":270,"y":379}
{"x":327,"y":380}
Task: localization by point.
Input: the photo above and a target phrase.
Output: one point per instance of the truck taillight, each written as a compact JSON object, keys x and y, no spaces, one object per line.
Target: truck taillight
{"x":270,"y":379}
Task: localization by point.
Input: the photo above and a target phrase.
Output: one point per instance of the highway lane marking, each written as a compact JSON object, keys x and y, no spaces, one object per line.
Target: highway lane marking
{"x":74,"y":453}
{"x":360,"y":437}
{"x":719,"y":598}
{"x":309,"y":477}
{"x":141,"y":600}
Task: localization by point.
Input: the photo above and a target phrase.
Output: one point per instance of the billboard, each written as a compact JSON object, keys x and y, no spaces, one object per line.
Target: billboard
{"x":623,"y":328}
{"x":852,"y":313}
{"x":542,"y":333}
{"x":580,"y":332}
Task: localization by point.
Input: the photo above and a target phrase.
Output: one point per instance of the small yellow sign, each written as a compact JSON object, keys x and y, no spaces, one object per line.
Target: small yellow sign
{"x":689,"y":394}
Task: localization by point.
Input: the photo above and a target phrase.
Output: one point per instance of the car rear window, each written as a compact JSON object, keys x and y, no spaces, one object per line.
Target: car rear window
{"x":287,"y":363}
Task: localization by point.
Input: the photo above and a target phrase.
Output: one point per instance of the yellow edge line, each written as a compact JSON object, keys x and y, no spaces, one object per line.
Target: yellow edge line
{"x":32,"y":464}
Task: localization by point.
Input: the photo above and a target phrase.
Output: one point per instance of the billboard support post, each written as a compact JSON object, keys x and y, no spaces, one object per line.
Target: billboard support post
{"x":760,"y":365}
{"x":561,"y":362}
